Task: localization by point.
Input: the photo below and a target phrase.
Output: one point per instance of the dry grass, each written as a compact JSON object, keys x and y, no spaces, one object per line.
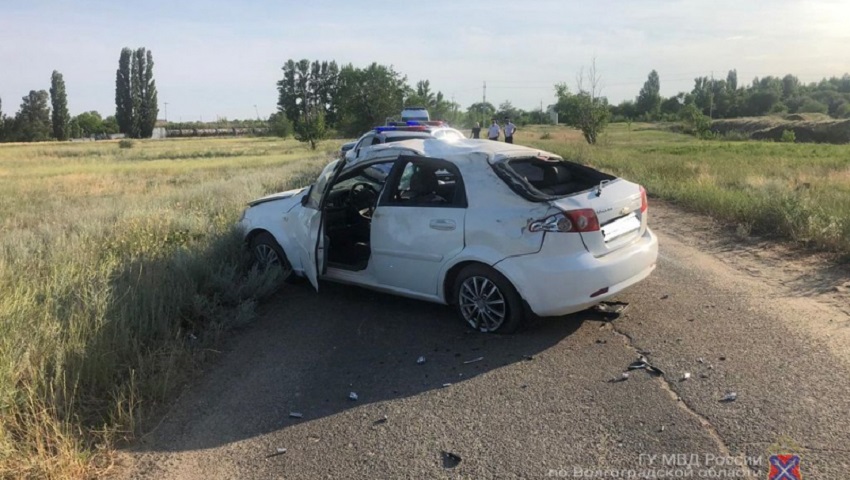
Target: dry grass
{"x":119,"y":268}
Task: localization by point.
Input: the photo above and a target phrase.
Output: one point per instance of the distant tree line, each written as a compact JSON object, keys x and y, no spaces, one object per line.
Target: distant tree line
{"x":44,"y":116}
{"x":316,"y":99}
{"x":725,"y":98}
{"x":41,"y":116}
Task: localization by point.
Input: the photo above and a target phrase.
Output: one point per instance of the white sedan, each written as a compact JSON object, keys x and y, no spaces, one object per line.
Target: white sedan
{"x":497,"y":230}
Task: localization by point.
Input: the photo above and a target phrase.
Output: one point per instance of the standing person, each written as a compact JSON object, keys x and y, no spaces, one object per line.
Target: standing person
{"x":493,"y":131}
{"x":510,"y":128}
{"x":476,"y":130}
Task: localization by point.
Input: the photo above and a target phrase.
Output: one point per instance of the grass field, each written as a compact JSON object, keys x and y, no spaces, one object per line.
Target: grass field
{"x":799,"y":192}
{"x":120,"y":268}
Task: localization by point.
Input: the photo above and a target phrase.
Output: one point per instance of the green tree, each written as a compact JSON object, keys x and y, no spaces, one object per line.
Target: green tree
{"x":587,"y":110}
{"x":307,"y":85}
{"x":148,"y":102}
{"x":279,"y":125}
{"x":136,"y":101}
{"x":32,"y":122}
{"x":311,"y":127}
{"x":2,"y":122}
{"x":694,"y":121}
{"x":59,"y":101}
{"x":481,"y":112}
{"x":124,"y":93}
{"x":89,"y":123}
{"x":507,"y":110}
{"x":110,"y":125}
{"x":648,"y":101}
{"x":368,"y":96}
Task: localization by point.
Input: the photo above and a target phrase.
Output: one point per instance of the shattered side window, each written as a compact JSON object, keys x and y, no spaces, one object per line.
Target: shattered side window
{"x":320,"y":185}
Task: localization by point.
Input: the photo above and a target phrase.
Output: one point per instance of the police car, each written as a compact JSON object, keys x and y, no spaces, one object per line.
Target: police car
{"x":397,"y":132}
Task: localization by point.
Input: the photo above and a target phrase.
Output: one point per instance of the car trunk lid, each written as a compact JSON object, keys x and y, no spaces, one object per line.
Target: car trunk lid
{"x":618,"y":205}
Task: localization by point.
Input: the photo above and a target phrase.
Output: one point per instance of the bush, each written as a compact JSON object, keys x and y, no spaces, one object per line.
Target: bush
{"x":126,"y":143}
{"x":788,"y":136}
{"x":546,"y":136}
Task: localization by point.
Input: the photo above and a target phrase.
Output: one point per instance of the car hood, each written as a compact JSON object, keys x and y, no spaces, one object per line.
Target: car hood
{"x":277,"y":196}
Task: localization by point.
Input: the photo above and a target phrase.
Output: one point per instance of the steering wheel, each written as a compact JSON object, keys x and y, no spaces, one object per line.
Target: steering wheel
{"x":362,"y":196}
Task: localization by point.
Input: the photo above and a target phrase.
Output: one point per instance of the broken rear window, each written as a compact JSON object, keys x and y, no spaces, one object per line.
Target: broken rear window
{"x":539,"y":178}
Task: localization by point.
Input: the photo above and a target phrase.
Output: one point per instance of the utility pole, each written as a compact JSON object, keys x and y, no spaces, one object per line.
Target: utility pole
{"x":484,"y":96}
{"x":166,"y":111}
{"x":257,"y":112}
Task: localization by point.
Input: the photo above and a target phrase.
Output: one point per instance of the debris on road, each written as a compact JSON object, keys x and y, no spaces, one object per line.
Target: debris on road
{"x":295,"y":415}
{"x":665,"y":296}
{"x":447,"y":385}
{"x":420,"y":360}
{"x":686,"y":376}
{"x":353,"y":396}
{"x":381,"y":420}
{"x":661,"y":429}
{"x":473,"y":360}
{"x":450,"y":460}
{"x":528,"y":358}
{"x":729,"y":397}
{"x":643,"y":364}
{"x":278,"y":451}
{"x":701,"y":360}
{"x":611,"y":308}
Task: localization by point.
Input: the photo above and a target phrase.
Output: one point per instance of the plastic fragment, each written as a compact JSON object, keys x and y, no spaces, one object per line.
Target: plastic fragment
{"x":450,"y":460}
{"x":281,"y":450}
{"x":420,"y":360}
{"x":473,"y":360}
{"x":352,"y":396}
{"x":729,"y":397}
{"x":686,"y":376}
{"x":447,"y":385}
{"x":296,"y":415}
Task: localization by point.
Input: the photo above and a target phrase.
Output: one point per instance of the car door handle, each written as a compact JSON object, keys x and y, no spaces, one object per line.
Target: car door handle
{"x":443,"y":224}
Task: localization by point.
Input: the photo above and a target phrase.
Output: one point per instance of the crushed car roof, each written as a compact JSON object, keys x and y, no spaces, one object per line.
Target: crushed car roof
{"x":459,"y":150}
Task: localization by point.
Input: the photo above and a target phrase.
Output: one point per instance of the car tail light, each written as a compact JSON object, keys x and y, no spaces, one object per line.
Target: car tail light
{"x":581,"y":220}
{"x":644,"y":205}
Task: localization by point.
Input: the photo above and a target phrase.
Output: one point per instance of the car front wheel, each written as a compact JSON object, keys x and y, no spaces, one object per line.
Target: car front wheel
{"x":268,"y":255}
{"x":487,"y":301}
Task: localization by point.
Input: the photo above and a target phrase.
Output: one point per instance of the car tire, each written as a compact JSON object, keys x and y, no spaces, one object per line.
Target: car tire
{"x":486,"y":300}
{"x":267,"y":253}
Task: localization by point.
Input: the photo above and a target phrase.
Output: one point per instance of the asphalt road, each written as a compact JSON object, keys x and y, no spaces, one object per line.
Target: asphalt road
{"x":738,"y":316}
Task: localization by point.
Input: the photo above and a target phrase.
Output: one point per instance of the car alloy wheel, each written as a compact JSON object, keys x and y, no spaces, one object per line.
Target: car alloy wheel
{"x":268,"y":255}
{"x":482,"y":304}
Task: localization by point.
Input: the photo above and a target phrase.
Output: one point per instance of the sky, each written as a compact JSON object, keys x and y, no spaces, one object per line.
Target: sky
{"x":216,"y":58}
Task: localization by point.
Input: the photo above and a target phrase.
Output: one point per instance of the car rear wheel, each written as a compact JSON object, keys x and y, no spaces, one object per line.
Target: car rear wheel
{"x":268,"y":255}
{"x":487,"y":301}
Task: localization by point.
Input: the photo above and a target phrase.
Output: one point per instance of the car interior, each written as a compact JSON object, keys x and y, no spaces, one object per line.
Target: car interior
{"x":353,"y":198}
{"x":553,"y":177}
{"x":348,"y":215}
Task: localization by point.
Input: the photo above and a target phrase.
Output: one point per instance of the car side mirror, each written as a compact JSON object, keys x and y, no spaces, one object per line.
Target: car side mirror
{"x":357,"y":153}
{"x":305,"y":198}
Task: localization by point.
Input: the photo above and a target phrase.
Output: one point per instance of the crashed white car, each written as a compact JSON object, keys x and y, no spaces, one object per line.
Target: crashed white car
{"x":499,"y":231}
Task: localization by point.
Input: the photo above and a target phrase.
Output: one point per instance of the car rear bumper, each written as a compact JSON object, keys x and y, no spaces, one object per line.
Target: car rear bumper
{"x":554,"y":283}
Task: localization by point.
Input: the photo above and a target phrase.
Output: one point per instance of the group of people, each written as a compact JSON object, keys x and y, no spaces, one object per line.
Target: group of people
{"x":495,"y":131}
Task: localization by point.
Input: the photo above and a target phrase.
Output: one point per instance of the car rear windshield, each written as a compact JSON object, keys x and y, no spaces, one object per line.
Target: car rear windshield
{"x":539,"y":178}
